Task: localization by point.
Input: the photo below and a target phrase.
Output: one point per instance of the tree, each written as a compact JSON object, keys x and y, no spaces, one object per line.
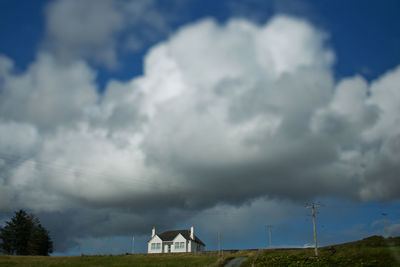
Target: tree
{"x":24,"y":235}
{"x":40,"y":242}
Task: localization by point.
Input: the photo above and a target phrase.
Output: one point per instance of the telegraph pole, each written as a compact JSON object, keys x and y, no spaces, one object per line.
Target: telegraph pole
{"x":133,"y":244}
{"x":384,"y":225}
{"x":313,"y":206}
{"x":219,"y":244}
{"x":266,"y":246}
{"x":269,"y":234}
{"x":315,"y":232}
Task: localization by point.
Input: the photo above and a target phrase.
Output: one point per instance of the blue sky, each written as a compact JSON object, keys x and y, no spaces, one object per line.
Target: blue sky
{"x":364,"y":35}
{"x":119,"y":115}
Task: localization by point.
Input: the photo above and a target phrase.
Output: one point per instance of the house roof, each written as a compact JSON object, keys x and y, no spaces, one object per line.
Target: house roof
{"x":170,"y":235}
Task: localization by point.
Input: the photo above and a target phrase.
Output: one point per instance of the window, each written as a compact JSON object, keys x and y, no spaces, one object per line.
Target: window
{"x":155,"y":246}
{"x":179,"y":245}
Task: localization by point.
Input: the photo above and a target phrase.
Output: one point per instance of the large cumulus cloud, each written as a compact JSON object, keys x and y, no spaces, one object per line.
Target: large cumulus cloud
{"x":223,"y":115}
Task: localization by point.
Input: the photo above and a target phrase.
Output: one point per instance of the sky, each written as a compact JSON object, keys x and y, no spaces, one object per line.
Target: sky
{"x":117,"y":116}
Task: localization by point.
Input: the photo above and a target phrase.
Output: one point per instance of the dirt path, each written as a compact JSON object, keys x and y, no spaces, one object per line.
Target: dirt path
{"x":235,"y":262}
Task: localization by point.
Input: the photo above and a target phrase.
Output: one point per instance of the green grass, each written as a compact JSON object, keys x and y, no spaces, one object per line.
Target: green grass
{"x":372,"y":251}
{"x":120,"y":260}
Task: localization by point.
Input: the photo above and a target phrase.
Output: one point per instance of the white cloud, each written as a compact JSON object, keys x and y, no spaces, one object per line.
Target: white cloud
{"x":223,"y":114}
{"x":5,"y":65}
{"x":93,"y":29}
{"x":277,"y":54}
{"x":80,"y":28}
{"x":16,"y":138}
{"x":48,"y":94}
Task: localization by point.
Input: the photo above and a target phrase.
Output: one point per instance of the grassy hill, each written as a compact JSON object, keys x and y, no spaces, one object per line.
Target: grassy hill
{"x":372,"y":251}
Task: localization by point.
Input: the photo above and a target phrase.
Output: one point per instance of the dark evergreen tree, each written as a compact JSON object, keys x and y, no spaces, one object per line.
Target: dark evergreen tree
{"x":24,"y":235}
{"x":39,"y":242}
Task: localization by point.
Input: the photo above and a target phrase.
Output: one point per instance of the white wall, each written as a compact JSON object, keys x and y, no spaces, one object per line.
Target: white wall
{"x":189,"y":245}
{"x":194,"y":247}
{"x":179,"y":239}
{"x":155,"y":240}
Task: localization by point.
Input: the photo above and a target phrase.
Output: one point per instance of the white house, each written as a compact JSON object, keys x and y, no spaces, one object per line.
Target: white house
{"x":175,"y":241}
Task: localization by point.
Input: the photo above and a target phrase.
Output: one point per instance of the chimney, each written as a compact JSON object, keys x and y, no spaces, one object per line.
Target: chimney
{"x":192,"y":232}
{"x":153,"y":232}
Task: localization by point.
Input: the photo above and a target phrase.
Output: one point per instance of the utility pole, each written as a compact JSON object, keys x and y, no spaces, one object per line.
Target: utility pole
{"x":133,"y":244}
{"x":384,"y":225}
{"x":219,"y":244}
{"x":313,"y":206}
{"x":269,"y":235}
{"x":266,"y":246}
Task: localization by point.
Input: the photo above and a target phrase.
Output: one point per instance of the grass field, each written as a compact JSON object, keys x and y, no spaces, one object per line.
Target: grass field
{"x":120,"y":260}
{"x":372,"y":251}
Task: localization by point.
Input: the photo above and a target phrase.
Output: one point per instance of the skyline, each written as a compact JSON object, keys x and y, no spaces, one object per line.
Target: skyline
{"x":117,"y":116}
